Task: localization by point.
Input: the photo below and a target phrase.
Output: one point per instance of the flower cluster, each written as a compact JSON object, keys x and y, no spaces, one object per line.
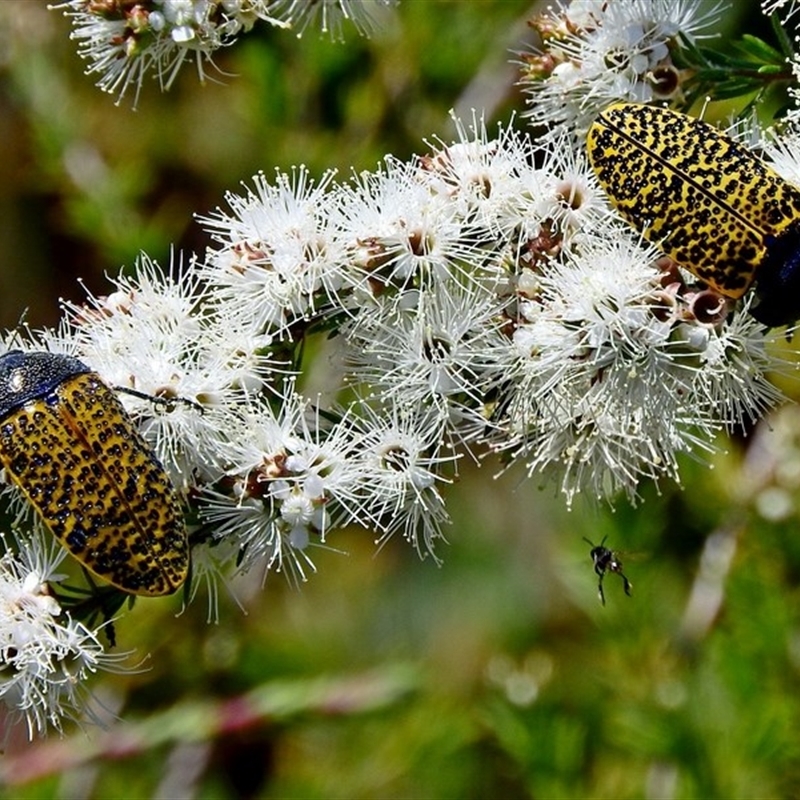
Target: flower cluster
{"x":485,"y":300}
{"x":479,"y":301}
{"x":593,"y":54}
{"x":47,"y":655}
{"x":125,"y":41}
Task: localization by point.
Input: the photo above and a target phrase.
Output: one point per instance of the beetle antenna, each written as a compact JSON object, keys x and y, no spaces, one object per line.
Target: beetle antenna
{"x":168,"y":402}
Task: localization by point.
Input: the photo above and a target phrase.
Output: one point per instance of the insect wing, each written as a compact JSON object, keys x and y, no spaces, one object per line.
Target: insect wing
{"x":707,"y":202}
{"x":98,"y":486}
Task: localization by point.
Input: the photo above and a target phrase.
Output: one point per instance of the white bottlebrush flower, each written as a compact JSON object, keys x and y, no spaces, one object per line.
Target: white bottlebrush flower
{"x":479,"y":174}
{"x":47,"y":656}
{"x":278,"y":256}
{"x":794,"y":92}
{"x":402,"y":467}
{"x":621,"y":368}
{"x":400,"y":231}
{"x":290,"y":479}
{"x":483,"y":294}
{"x":559,"y":198}
{"x":446,"y":351}
{"x":252,"y":525}
{"x":786,"y":8}
{"x":783,"y":151}
{"x":607,"y":344}
{"x":214,"y":563}
{"x":596,"y":53}
{"x":733,"y":376}
{"x":153,"y":335}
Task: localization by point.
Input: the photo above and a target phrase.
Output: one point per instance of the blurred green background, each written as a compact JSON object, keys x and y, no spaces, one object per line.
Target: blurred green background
{"x":498,"y":674}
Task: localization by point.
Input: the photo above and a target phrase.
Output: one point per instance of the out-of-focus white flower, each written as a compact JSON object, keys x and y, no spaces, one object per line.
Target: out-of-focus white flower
{"x":126,"y":42}
{"x":328,"y":15}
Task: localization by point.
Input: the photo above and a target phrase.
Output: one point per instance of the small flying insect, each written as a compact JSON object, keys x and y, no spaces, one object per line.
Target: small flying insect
{"x":606,"y":560}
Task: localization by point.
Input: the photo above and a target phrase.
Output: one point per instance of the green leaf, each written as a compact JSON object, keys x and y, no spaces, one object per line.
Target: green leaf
{"x":760,"y":49}
{"x":783,"y":38}
{"x":771,"y":69}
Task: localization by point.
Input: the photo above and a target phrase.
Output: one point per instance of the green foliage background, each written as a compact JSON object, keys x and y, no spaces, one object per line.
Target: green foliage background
{"x":496,"y":675}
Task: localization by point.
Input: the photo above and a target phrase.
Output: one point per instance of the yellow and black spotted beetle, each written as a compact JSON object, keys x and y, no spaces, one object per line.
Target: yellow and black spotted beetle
{"x":70,"y":446}
{"x":710,"y":204}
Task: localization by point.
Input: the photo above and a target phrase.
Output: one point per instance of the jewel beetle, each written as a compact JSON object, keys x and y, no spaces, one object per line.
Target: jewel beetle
{"x":67,"y":442}
{"x":708,"y":202}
